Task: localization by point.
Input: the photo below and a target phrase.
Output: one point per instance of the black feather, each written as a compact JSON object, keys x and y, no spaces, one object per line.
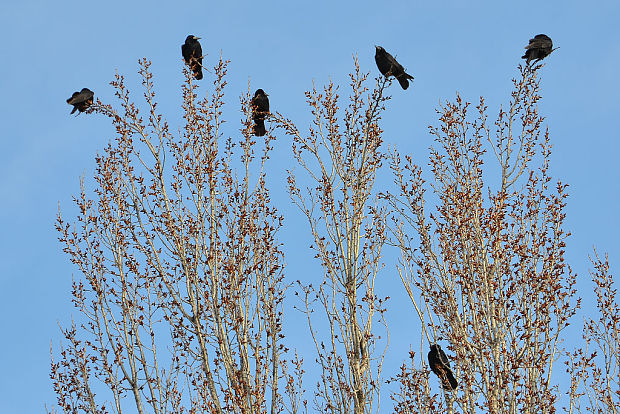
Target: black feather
{"x":260,"y":109}
{"x":388,"y":66}
{"x":81,"y":100}
{"x":192,"y":53}
{"x":440,"y":365}
{"x":538,"y":48}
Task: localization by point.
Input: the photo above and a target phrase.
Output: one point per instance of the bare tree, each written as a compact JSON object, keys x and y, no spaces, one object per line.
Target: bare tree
{"x":414,"y":395}
{"x":340,"y":158}
{"x":594,"y":368}
{"x":485,"y":269}
{"x":181,"y":274}
{"x":181,"y":282}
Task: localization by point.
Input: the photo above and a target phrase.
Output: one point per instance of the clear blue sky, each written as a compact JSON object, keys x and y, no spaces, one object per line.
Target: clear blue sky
{"x":50,"y":49}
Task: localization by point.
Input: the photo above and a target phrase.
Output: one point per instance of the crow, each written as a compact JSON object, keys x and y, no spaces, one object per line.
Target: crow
{"x":441,"y":367}
{"x":192,"y":53}
{"x":389,"y":66}
{"x":81,"y":100}
{"x":260,"y":108}
{"x":539,"y":48}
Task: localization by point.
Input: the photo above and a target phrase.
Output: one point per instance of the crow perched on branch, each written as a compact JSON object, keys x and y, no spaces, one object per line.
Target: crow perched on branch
{"x":192,"y":53}
{"x":441,"y":367}
{"x":388,"y":66}
{"x":539,"y":48}
{"x":81,"y":100}
{"x":260,"y":109}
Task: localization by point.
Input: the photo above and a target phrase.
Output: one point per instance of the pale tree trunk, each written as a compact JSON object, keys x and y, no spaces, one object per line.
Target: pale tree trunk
{"x":182,"y":277}
{"x":485,"y":269}
{"x":340,"y":160}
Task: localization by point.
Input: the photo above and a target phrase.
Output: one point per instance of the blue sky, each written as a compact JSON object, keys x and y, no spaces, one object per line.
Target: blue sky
{"x":51,"y":49}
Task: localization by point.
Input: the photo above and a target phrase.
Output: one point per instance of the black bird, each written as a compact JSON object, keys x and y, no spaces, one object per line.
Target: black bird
{"x":539,"y":48}
{"x":441,"y":367}
{"x":192,"y":53}
{"x":81,"y":100}
{"x":260,"y":109}
{"x":389,"y":66}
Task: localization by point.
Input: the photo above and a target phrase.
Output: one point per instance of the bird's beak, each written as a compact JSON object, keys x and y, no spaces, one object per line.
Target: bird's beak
{"x":197,"y":38}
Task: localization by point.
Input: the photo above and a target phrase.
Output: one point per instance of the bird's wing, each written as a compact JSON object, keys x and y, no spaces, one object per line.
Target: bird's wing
{"x":539,"y":43}
{"x":71,"y":100}
{"x":392,"y":60}
{"x":197,"y":52}
{"x":264,"y":103}
{"x":185,"y":52}
{"x":260,"y":103}
{"x":444,"y":359}
{"x":81,"y":98}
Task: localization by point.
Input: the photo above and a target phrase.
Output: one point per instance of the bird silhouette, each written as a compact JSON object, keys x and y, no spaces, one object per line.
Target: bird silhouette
{"x":440,"y":366}
{"x":81,"y":100}
{"x":260,"y":109}
{"x":539,"y":48}
{"x":192,"y":53}
{"x":388,"y":66}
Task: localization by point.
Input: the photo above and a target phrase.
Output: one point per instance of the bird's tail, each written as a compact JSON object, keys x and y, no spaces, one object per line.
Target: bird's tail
{"x":197,"y":71}
{"x":404,"y":80}
{"x":196,"y":66}
{"x":74,"y":109}
{"x":259,"y":127}
{"x":451,"y":380}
